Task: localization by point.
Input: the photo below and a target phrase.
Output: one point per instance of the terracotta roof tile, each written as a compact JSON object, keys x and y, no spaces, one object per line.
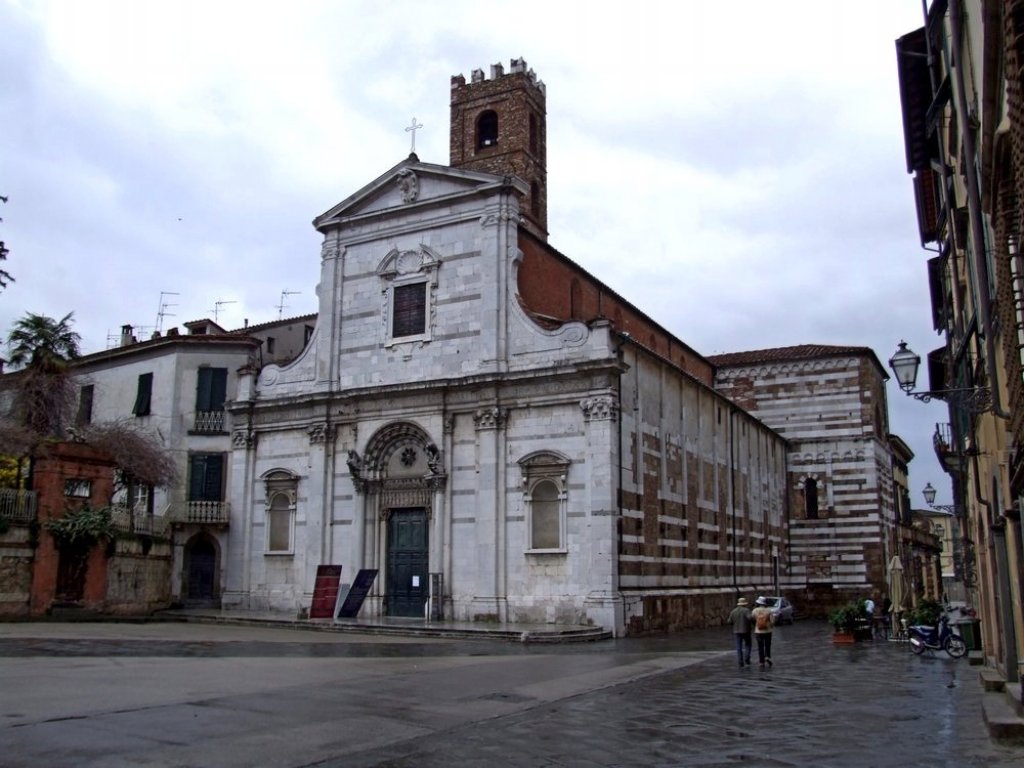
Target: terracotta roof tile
{"x":779,"y":354}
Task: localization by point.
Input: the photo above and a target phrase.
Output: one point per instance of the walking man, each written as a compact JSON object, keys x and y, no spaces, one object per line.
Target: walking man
{"x":763,"y":623}
{"x":742,"y":625}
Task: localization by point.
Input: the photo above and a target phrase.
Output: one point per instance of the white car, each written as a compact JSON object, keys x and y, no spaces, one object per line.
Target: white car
{"x":782,"y":609}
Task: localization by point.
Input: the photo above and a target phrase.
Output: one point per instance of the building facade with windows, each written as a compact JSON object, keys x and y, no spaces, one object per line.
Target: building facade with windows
{"x":175,"y":388}
{"x":486,"y":425}
{"x":829,"y":402}
{"x":962,"y":95}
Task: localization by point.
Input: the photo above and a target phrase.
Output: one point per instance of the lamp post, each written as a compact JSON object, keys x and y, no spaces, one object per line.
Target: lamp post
{"x":904,"y":364}
{"x":963,"y":546}
{"x":929,"y":497}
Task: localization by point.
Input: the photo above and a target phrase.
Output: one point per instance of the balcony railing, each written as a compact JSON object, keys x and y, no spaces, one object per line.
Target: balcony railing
{"x":203,"y":512}
{"x":209,"y":422}
{"x":945,"y":449}
{"x":127,"y":520}
{"x":17,"y":506}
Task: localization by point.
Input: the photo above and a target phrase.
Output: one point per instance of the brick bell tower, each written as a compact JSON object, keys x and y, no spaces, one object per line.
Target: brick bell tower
{"x":499,"y":126}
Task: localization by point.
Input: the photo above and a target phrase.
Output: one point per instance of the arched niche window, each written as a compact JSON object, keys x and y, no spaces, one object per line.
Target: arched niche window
{"x":280,"y":501}
{"x":487,"y":129}
{"x":545,"y":484}
{"x":535,"y":199}
{"x":811,"y":498}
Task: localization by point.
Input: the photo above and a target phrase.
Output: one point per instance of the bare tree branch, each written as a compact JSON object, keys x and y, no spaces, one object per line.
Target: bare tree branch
{"x":137,"y":453}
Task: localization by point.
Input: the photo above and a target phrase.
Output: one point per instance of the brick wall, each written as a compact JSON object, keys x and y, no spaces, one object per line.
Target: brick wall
{"x":555,"y":289}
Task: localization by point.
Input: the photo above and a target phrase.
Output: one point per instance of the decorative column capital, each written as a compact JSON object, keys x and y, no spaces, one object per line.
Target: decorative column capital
{"x":490,"y":418}
{"x":320,"y":433}
{"x":600,"y":408}
{"x":241,"y":438}
{"x":330,"y":250}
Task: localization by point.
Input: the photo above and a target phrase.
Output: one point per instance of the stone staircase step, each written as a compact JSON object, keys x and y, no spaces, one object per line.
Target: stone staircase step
{"x":991,"y":680}
{"x":1004,"y":723}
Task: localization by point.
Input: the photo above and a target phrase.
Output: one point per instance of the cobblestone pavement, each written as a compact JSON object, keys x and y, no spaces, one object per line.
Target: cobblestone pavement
{"x":123,"y":695}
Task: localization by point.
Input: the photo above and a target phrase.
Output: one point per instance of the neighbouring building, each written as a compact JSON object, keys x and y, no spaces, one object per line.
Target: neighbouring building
{"x":963,"y":115}
{"x":829,"y":402}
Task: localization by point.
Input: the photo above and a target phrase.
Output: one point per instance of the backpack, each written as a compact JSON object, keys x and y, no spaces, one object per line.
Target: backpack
{"x":764,"y":620}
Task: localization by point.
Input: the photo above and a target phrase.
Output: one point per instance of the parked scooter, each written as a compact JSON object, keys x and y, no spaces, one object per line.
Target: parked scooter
{"x":942,"y":637}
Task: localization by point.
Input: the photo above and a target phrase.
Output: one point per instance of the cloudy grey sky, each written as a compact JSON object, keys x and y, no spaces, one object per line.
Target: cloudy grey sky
{"x":736,"y":169}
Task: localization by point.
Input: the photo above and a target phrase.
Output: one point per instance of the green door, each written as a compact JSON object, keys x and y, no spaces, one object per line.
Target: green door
{"x":407,"y":562}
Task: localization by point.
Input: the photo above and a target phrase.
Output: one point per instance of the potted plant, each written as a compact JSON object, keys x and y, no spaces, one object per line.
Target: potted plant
{"x":845,"y":622}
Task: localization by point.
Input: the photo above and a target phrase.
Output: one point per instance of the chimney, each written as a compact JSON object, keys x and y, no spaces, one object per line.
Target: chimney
{"x":126,"y":336}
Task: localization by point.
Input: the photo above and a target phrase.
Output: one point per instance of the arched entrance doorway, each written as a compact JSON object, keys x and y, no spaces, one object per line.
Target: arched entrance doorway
{"x":401,"y":475}
{"x":200,"y":570}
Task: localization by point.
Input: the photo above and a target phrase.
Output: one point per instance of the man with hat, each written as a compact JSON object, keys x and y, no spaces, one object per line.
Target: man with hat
{"x":742,"y":626}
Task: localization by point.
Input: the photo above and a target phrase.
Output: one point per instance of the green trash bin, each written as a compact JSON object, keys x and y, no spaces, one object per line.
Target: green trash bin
{"x":970,"y":631}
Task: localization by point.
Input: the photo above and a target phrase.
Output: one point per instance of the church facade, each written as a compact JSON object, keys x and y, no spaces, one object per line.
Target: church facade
{"x":496,"y":433}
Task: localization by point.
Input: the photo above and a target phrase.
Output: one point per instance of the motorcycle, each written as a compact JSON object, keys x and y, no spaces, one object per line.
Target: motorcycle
{"x":941,"y":637}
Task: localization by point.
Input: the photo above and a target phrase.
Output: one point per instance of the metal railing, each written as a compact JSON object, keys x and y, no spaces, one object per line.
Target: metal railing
{"x":209,"y":422}
{"x":128,"y":520}
{"x":215,"y":512}
{"x":18,"y":506}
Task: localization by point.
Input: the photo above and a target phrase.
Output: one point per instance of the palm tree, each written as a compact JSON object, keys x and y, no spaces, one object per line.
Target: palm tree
{"x":40,"y":342}
{"x":44,"y":395}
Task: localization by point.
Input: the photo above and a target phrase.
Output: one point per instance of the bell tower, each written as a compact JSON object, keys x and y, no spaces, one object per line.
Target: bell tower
{"x":499,"y":125}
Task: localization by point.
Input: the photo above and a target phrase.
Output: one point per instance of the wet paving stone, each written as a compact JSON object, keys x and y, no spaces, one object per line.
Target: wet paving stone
{"x":206,"y":696}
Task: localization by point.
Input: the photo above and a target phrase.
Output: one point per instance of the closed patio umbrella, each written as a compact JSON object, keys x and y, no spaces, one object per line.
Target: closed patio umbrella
{"x":897,"y":590}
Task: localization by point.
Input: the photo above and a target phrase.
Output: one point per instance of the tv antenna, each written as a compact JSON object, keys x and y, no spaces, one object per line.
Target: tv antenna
{"x":284,"y":295}
{"x":217,"y":305}
{"x":162,"y":312}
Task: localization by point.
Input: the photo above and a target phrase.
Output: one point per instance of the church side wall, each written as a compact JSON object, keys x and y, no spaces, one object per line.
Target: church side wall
{"x":703,"y":501}
{"x":833,"y":412}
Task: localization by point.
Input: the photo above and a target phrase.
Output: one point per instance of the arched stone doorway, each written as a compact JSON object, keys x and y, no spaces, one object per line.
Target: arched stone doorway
{"x":401,"y":476}
{"x":201,"y":571}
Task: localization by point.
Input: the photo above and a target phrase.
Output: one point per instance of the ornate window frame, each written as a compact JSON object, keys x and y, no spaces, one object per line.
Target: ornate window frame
{"x":408,"y":267}
{"x":280,"y":485}
{"x":538,"y":468}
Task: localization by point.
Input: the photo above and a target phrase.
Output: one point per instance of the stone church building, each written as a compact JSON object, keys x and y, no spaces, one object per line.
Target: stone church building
{"x":496,"y":432}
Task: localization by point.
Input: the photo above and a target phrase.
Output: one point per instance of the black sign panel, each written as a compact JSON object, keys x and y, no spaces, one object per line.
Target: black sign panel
{"x":357,"y":593}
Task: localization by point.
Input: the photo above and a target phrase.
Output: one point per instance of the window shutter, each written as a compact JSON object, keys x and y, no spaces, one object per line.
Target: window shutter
{"x":410,"y":307}
{"x":206,"y":477}
{"x":214,"y":477}
{"x":143,"y":397}
{"x":84,"y":405}
{"x":211,"y":389}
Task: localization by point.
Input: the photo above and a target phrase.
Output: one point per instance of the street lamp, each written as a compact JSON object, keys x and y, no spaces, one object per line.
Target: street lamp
{"x":963,"y":546}
{"x":904,"y":364}
{"x":929,"y":498}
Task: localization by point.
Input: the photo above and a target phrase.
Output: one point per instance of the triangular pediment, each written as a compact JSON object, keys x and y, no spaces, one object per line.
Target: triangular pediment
{"x":412,"y":184}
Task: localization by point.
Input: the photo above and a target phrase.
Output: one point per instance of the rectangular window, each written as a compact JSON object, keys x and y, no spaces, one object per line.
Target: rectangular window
{"x":144,"y":395}
{"x":78,"y":488}
{"x":270,"y":345}
{"x":409,"y":308}
{"x":84,"y":415}
{"x":206,"y":477}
